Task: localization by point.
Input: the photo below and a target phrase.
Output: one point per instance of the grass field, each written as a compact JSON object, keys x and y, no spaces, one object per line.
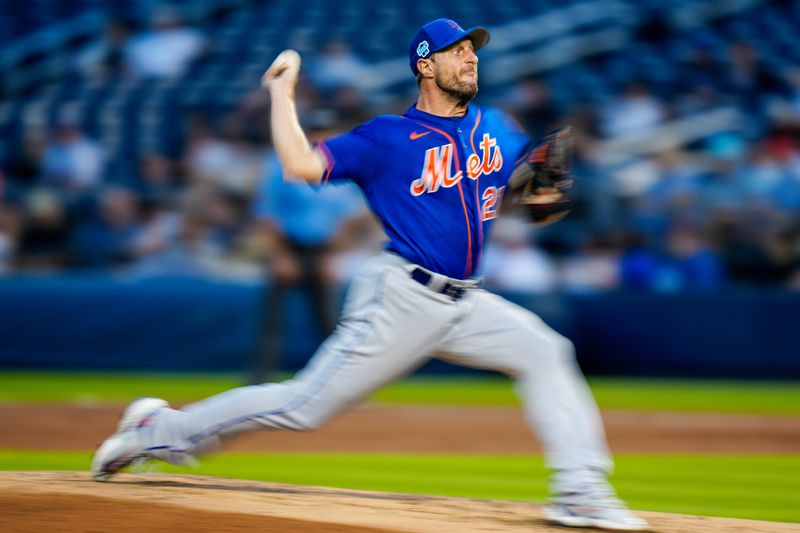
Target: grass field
{"x":611,"y":393}
{"x":742,"y":486}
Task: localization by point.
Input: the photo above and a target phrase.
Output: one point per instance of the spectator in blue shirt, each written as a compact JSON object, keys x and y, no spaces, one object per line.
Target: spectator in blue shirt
{"x":106,"y":239}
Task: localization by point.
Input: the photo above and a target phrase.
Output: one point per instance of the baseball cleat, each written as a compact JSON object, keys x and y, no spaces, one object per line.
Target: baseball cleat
{"x":124,"y":447}
{"x":604,"y":511}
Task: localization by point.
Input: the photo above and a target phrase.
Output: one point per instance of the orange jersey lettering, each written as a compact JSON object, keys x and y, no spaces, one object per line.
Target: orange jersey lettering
{"x":437,"y":167}
{"x":436,"y":171}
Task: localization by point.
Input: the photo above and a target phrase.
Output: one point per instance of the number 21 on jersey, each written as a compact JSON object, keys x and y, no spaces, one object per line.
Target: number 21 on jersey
{"x":492,"y":197}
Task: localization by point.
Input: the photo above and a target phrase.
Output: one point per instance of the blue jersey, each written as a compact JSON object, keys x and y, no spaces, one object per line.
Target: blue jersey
{"x":436,"y":183}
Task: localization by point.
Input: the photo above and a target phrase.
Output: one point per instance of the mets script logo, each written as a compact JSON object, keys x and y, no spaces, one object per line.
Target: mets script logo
{"x":437,"y":168}
{"x":423,"y":49}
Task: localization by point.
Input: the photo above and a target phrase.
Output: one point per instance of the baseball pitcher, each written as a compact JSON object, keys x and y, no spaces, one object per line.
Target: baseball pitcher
{"x":436,"y":177}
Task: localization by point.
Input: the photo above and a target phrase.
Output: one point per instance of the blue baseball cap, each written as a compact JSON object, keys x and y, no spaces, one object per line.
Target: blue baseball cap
{"x":440,"y":34}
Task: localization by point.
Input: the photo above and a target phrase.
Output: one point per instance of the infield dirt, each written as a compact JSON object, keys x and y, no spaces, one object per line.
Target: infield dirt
{"x":70,"y":501}
{"x":430,"y":429}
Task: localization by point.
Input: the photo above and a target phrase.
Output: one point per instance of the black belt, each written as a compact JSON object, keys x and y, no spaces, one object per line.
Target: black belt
{"x":448,"y":289}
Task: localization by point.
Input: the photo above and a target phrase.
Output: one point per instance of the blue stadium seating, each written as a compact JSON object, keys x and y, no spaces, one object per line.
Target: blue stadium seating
{"x":249,"y":33}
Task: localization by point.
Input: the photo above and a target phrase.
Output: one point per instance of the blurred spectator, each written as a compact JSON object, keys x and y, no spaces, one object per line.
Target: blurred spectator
{"x":636,"y":176}
{"x":205,"y":152}
{"x":751,"y":256}
{"x":300,"y":227}
{"x":594,"y":268}
{"x":197,"y":241}
{"x":672,"y":197}
{"x":107,"y":238}
{"x":25,"y":165}
{"x":167,"y":50}
{"x":695,"y":264}
{"x":701,"y":84}
{"x":221,"y":214}
{"x":749,"y":80}
{"x":44,"y":239}
{"x":161,"y":228}
{"x":783,"y":249}
{"x":701,"y":71}
{"x":157,"y":183}
{"x":348,"y":101}
{"x":700,"y":99}
{"x":634,"y":112}
{"x":106,"y":59}
{"x":6,"y":247}
{"x":336,"y":67}
{"x":231,"y":164}
{"x":251,"y":112}
{"x":72,"y":162}
{"x":512,"y":263}
{"x":9,"y":226}
{"x":722,"y":187}
{"x":678,"y":183}
{"x":160,"y":194}
{"x":793,"y":97}
{"x":639,"y":265}
{"x":531,"y":103}
{"x":786,"y":192}
{"x":767,"y":178}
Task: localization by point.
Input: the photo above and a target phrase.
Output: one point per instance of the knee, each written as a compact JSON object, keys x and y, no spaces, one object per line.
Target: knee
{"x":308,"y":424}
{"x":552,"y":352}
{"x":295,"y":410}
{"x":317,"y":412}
{"x":312,"y":415}
{"x":308,"y":421}
{"x":565,"y":348}
{"x":560,"y":350}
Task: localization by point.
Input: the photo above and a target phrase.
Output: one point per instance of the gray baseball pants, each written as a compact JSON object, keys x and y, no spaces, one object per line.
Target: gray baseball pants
{"x":390,"y":325}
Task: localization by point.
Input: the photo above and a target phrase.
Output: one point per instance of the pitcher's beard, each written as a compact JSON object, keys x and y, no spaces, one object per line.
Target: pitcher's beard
{"x":457,"y":89}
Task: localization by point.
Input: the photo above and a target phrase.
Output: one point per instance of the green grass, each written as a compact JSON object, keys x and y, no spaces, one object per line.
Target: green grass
{"x":755,"y":487}
{"x":88,"y":387}
{"x":698,"y":395}
{"x":614,"y":393}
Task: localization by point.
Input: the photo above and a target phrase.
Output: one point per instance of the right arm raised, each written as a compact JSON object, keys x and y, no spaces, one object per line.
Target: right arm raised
{"x":298,"y":158}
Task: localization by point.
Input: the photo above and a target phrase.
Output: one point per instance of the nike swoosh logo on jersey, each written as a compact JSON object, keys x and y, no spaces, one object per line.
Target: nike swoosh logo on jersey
{"x":414,"y":135}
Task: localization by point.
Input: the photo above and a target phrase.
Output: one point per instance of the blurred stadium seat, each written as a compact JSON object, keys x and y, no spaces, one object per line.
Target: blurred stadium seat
{"x":709,"y":68}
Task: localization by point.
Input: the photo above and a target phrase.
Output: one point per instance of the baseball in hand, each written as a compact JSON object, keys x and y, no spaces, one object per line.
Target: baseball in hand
{"x":285,"y":67}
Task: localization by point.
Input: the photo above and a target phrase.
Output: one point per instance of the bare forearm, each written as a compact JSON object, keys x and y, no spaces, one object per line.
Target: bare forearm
{"x":298,"y":158}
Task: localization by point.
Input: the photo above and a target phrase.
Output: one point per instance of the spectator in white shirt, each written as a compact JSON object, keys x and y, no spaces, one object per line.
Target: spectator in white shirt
{"x":512,"y":262}
{"x":167,"y":50}
{"x":636,"y":111}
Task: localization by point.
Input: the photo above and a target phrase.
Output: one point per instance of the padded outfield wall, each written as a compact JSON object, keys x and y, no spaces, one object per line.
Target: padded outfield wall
{"x":99,"y":322}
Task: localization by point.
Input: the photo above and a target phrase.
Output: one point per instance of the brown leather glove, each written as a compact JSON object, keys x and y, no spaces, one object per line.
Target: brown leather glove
{"x":542,"y":181}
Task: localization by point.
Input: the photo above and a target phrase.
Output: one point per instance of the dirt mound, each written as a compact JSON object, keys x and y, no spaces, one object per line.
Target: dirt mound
{"x":70,"y":501}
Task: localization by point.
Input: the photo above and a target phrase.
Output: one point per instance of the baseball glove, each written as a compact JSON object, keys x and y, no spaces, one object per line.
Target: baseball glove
{"x":542,"y":182}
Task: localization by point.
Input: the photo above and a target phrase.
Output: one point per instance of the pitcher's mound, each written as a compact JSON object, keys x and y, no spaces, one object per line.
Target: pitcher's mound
{"x":71,"y":501}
